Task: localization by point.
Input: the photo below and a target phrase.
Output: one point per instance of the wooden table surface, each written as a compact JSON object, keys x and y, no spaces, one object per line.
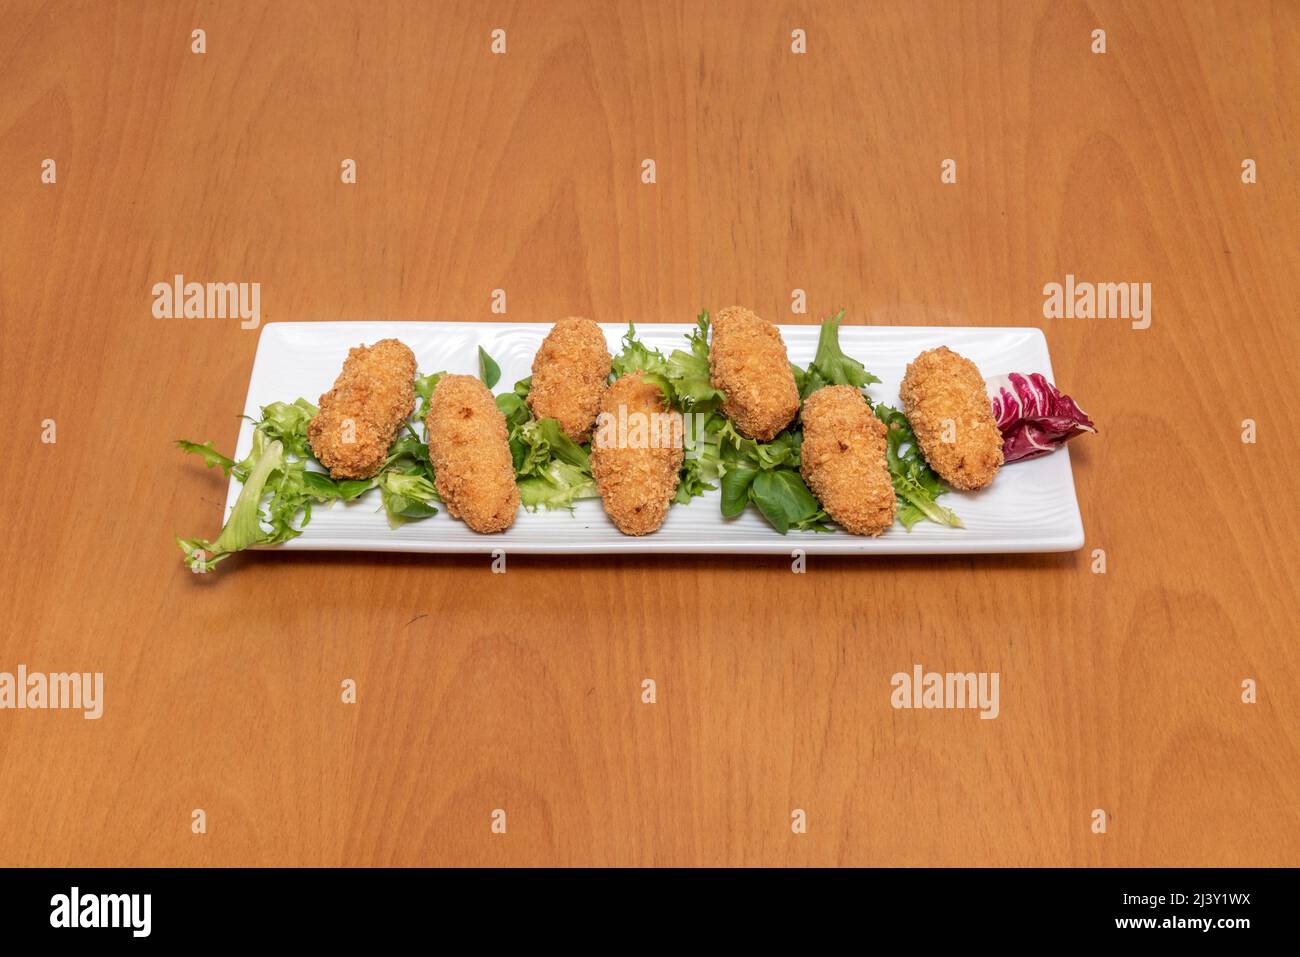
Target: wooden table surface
{"x":775,"y":171}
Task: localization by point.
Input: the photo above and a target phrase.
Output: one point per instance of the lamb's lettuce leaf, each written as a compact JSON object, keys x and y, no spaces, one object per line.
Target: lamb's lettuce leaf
{"x":488,"y":371}
{"x":514,"y":404}
{"x":766,"y":475}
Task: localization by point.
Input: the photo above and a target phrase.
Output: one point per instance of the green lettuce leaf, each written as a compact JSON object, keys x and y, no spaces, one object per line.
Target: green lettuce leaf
{"x":688,"y":372}
{"x":408,"y":494}
{"x":557,"y":484}
{"x":683,"y":377}
{"x":406,"y":483}
{"x":637,"y":356}
{"x":551,"y":470}
{"x":244,"y":528}
{"x":424,"y":386}
{"x":279,"y":489}
{"x":702,"y":463}
{"x":830,"y":366}
{"x":210,"y":456}
{"x":287,"y":422}
{"x":916,"y":485}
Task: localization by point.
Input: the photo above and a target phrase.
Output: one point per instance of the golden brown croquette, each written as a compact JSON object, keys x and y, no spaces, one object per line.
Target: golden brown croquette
{"x":360,"y":416}
{"x":945,"y":399}
{"x":636,"y":476}
{"x":748,"y":362}
{"x":470,"y":452}
{"x":570,"y":374}
{"x":843,"y":460}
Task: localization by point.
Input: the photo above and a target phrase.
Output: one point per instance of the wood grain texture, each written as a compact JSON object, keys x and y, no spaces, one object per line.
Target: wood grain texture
{"x":775,"y":171}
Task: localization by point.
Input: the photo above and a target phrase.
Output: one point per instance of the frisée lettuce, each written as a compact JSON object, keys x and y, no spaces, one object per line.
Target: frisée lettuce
{"x":279,"y":489}
{"x":916,"y":485}
{"x":683,"y":377}
{"x":551,"y":470}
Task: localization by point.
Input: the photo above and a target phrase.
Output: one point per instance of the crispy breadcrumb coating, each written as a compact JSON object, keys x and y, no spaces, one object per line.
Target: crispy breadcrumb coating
{"x":748,"y":362}
{"x":637,"y":485}
{"x":944,"y":397}
{"x":843,"y":460}
{"x":470,"y":451}
{"x":570,"y":374}
{"x":360,"y":416}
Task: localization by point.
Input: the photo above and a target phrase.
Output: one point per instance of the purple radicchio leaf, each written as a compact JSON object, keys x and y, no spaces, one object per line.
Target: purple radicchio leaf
{"x":1034,"y":416}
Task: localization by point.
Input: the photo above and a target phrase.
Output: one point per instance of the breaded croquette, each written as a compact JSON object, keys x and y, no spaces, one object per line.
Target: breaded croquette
{"x":361,"y":415}
{"x":945,"y":399}
{"x":636,"y":472}
{"x":843,"y":460}
{"x":748,"y":362}
{"x":470,"y":451}
{"x":570,"y":374}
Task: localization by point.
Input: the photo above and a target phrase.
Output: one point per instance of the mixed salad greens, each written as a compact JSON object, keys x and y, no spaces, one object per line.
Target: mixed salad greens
{"x":551,"y":470}
{"x":282,"y":480}
{"x":766,"y":474}
{"x":277,"y":486}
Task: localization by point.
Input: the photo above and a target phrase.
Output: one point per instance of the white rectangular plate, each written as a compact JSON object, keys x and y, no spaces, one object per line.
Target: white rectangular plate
{"x":1031,"y":507}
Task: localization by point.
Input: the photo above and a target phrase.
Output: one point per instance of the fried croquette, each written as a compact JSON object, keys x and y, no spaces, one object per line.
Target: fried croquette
{"x":748,"y":362}
{"x":570,"y":374}
{"x":843,"y":460}
{"x":360,"y":416}
{"x":637,"y":479}
{"x":470,"y":452}
{"x":945,"y":399}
